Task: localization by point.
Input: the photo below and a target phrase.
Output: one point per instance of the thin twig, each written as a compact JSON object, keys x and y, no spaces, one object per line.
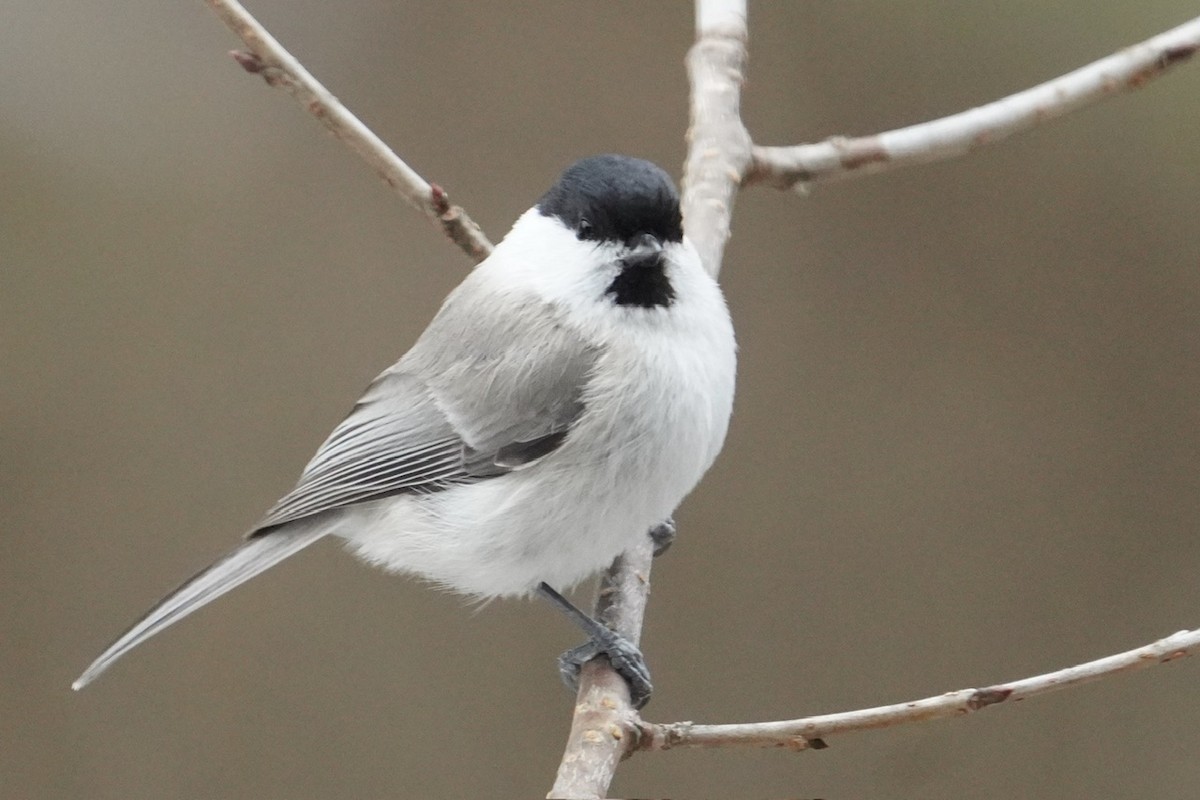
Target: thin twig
{"x":268,"y":58}
{"x":959,"y":134}
{"x":810,"y":732}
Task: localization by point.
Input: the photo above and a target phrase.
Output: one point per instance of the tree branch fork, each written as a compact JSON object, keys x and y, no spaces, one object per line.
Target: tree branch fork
{"x":722,"y":159}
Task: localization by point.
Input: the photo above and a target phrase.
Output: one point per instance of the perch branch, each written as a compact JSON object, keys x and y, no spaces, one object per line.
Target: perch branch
{"x":605,"y":726}
{"x":810,"y":732}
{"x":268,"y":58}
{"x":959,"y":134}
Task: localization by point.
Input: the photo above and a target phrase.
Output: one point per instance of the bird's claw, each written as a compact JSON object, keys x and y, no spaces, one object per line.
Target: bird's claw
{"x":623,"y":655}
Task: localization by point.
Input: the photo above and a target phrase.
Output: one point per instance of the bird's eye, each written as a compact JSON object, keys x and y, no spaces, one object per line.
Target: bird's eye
{"x":584,"y":228}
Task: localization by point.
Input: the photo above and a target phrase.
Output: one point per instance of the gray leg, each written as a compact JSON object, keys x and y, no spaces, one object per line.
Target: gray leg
{"x":624,"y":656}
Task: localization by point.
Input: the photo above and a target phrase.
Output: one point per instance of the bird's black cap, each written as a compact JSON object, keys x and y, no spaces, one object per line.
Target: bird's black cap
{"x":615,"y":198}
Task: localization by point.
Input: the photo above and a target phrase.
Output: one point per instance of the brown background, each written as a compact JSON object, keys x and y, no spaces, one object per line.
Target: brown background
{"x":964,"y":450}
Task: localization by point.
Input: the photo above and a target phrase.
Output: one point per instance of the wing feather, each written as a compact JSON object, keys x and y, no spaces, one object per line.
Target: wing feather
{"x":481,"y":394}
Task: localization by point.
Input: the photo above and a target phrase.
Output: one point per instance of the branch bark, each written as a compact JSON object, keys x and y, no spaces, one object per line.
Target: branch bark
{"x":718,"y":143}
{"x":839,"y":157}
{"x":605,"y":726}
{"x":810,"y":732}
{"x":268,"y":58}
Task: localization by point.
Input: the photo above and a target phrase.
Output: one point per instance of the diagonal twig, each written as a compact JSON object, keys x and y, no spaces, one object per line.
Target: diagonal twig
{"x":809,"y":733}
{"x":268,"y":58}
{"x":958,"y":134}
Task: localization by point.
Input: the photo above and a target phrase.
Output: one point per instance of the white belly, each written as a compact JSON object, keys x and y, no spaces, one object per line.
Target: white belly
{"x":647,"y":436}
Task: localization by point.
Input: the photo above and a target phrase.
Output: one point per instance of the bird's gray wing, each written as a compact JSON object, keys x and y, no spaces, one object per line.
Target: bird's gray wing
{"x":494,"y":385}
{"x":485,"y":391}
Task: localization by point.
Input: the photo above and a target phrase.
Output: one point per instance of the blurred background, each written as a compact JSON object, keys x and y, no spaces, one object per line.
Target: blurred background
{"x":964,"y":450}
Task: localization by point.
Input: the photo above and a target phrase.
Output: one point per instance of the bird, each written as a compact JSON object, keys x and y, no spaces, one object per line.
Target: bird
{"x":563,"y":401}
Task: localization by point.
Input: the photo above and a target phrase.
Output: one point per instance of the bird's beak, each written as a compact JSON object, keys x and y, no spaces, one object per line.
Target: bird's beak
{"x":645,"y":250}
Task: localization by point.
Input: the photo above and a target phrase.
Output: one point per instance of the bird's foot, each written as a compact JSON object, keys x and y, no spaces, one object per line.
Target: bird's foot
{"x":622,"y":654}
{"x":663,"y":534}
{"x":625,"y":658}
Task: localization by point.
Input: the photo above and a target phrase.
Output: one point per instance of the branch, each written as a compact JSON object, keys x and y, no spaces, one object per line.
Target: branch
{"x":604,"y":727}
{"x":718,"y":144}
{"x":959,"y":134}
{"x":810,"y":732}
{"x":278,"y":67}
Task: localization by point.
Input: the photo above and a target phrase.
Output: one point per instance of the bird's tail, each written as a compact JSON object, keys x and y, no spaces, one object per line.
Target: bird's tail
{"x":254,"y":556}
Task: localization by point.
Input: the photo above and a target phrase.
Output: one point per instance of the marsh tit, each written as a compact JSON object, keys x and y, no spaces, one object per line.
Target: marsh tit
{"x":567,"y":396}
